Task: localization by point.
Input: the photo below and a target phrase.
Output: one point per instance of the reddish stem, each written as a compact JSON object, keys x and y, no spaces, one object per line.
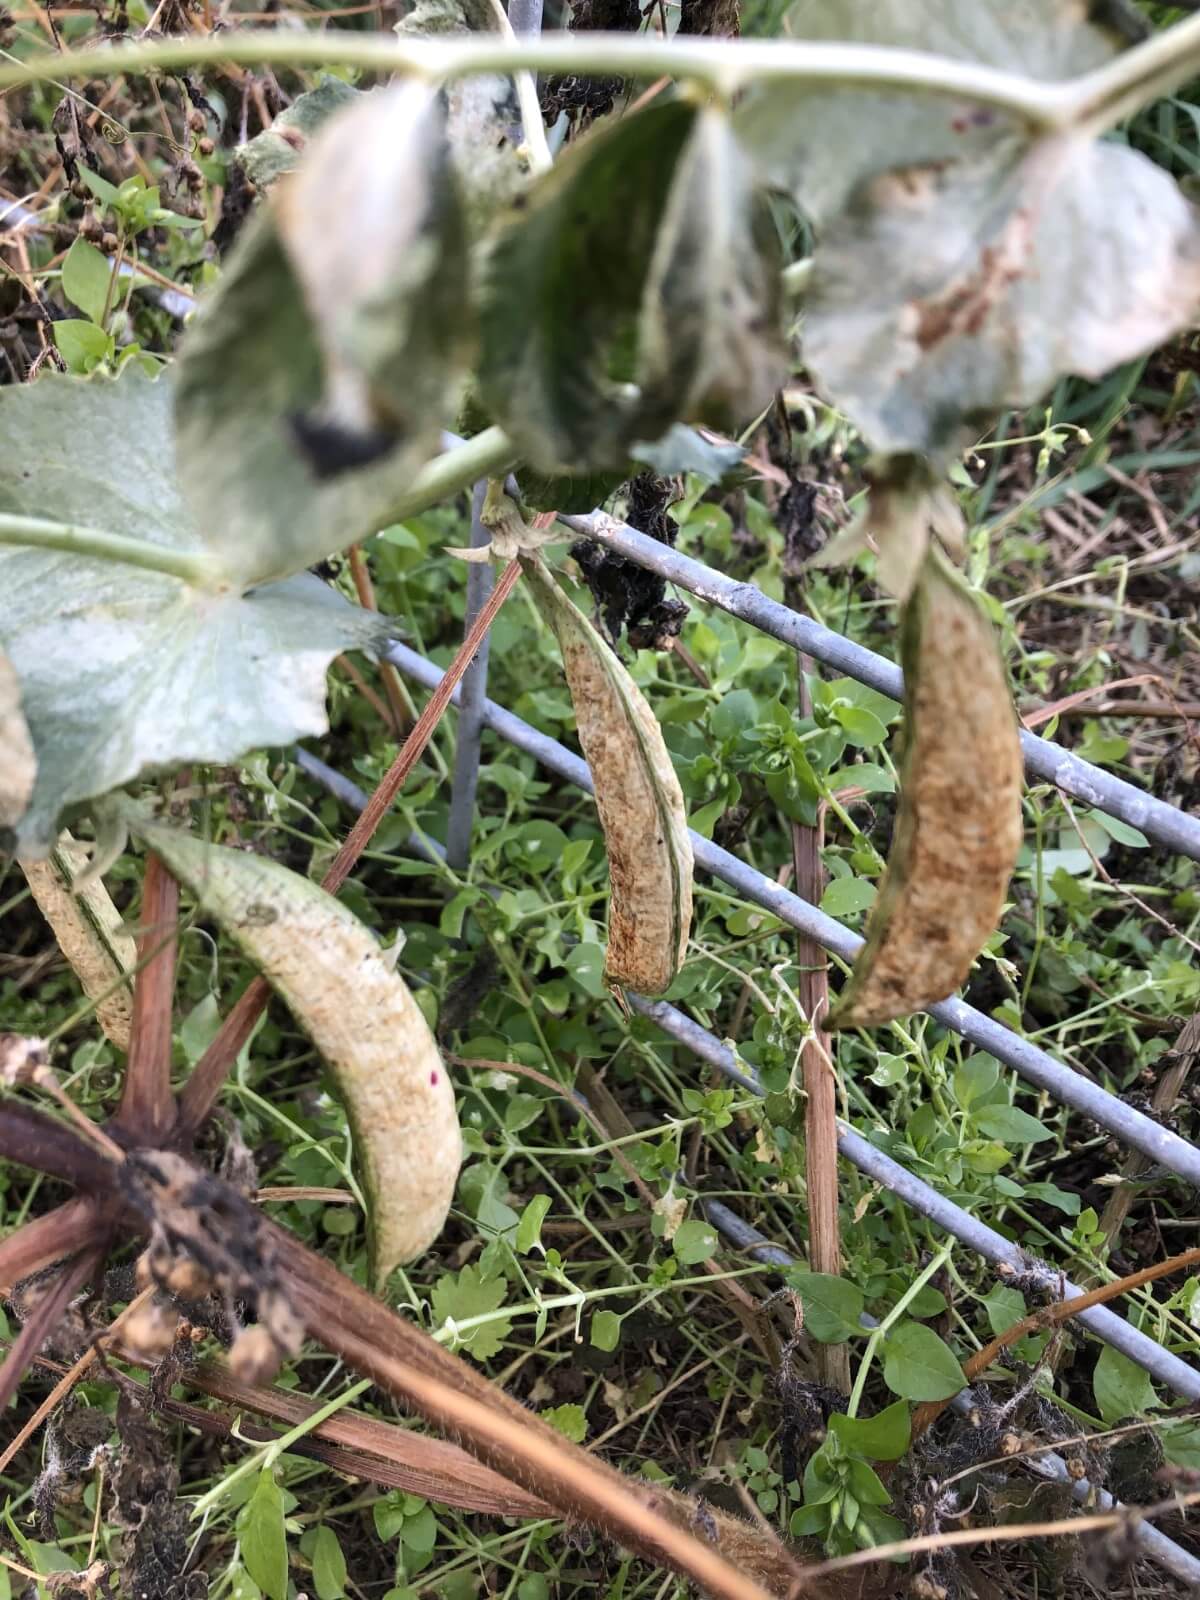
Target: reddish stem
{"x":29,"y":1138}
{"x":49,"y":1238}
{"x":147,"y":1104}
{"x":43,"y":1319}
{"x":204,"y":1085}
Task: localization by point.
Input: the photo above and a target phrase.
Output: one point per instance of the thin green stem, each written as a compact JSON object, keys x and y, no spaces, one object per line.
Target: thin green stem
{"x":877,"y":1334}
{"x":38,"y":533}
{"x":724,"y":65}
{"x":489,"y":453}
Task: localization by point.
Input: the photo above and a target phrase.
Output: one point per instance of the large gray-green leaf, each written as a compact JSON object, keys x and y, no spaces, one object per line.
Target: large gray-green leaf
{"x":483,"y":117}
{"x":819,"y":143}
{"x":946,"y":292}
{"x":278,"y":148}
{"x":711,"y":336}
{"x":124,"y":670}
{"x":563,"y":293}
{"x":253,"y":376}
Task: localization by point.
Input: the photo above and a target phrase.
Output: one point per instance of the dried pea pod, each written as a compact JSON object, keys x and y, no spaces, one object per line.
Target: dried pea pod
{"x":89,"y":930}
{"x":959,"y":827}
{"x":637,"y":795}
{"x":359,"y":1013}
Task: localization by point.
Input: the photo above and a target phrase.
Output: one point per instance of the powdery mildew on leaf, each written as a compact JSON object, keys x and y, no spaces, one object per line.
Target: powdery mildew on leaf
{"x":711,"y":339}
{"x":361,"y":1016}
{"x":947,"y":292}
{"x":124,"y":671}
{"x":637,"y":795}
{"x":820,"y":144}
{"x":562,"y":294}
{"x":18,"y":763}
{"x":278,"y":148}
{"x":959,"y":827}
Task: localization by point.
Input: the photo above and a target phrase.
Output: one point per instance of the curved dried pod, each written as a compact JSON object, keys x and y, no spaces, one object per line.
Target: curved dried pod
{"x":385,"y":1063}
{"x":637,"y":795}
{"x":89,"y":931}
{"x":959,"y":827}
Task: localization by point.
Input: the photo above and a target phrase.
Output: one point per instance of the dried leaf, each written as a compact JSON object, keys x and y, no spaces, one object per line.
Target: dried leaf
{"x":637,"y":795}
{"x":959,"y":827}
{"x":331,"y":972}
{"x":90,"y":933}
{"x":18,"y":763}
{"x":949,"y":291}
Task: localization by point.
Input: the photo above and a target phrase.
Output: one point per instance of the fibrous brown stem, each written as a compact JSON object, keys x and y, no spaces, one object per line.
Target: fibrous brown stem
{"x":147,"y":1104}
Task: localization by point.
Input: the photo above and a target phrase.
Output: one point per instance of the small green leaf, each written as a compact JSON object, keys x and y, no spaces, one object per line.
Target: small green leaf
{"x":1122,"y":1388}
{"x":457,"y":1297}
{"x":86,"y":277}
{"x":262,"y":1537}
{"x":570,"y":1420}
{"x":605,"y":1333}
{"x":832,"y":1306}
{"x":974,"y":1078}
{"x":1005,"y":1306}
{"x":920,"y":1366}
{"x":328,"y":1564}
{"x":845,"y":896}
{"x":1011,"y":1125}
{"x":883,"y":1437}
{"x":695,"y":1241}
{"x":529,"y":1229}
{"x":82,"y":345}
{"x":862,"y":728}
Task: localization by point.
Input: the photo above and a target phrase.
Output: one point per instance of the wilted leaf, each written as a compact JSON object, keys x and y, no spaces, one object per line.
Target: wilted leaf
{"x":959,"y":828}
{"x":637,"y":795}
{"x":820,"y":143}
{"x":125,"y":670}
{"x":278,"y":148}
{"x":946,"y":292}
{"x":359,"y":1013}
{"x":711,"y":338}
{"x":483,"y":117}
{"x":563,"y":294}
{"x":18,"y":763}
{"x":373,"y":231}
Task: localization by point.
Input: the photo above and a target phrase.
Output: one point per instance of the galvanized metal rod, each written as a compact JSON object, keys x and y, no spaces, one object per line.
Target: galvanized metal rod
{"x":1064,"y":1083}
{"x":1163,"y":823}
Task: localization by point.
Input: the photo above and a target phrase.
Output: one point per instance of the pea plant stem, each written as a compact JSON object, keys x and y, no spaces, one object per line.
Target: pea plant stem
{"x":880,"y":1333}
{"x":724,"y":65}
{"x":474,"y":692}
{"x":39,"y":533}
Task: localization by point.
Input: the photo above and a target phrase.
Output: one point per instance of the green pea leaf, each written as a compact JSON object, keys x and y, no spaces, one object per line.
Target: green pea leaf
{"x":883,"y":1437}
{"x":920,"y":1366}
{"x":1122,"y":1388}
{"x":86,"y":278}
{"x":832,"y":1306}
{"x":262,"y":1537}
{"x":1011,"y":1125}
{"x":328,"y":1564}
{"x":695,"y":1241}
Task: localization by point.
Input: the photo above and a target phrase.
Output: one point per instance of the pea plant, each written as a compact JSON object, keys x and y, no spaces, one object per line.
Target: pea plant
{"x":412,"y":265}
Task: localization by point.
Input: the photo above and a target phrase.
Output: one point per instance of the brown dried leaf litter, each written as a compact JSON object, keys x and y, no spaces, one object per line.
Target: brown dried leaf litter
{"x":959,"y":827}
{"x":637,"y":795}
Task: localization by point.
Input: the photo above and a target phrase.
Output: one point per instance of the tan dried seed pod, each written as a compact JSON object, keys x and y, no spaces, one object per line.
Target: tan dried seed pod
{"x":959,"y":827}
{"x":637,"y":795}
{"x":359,"y":1013}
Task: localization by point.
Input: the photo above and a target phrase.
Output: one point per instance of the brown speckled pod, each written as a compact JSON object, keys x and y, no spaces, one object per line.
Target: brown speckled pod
{"x":359,"y":1013}
{"x":959,"y":827}
{"x":637,"y":795}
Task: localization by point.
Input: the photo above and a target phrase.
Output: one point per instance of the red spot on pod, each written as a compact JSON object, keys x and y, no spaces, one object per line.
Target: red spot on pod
{"x":433,"y":1077}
